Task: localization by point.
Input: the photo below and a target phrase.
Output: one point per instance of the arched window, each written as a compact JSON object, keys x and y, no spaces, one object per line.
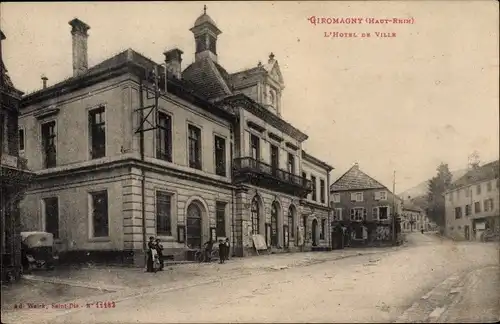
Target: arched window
{"x":272,"y":98}
{"x":255,"y":215}
{"x":291,"y":220}
{"x":193,"y":226}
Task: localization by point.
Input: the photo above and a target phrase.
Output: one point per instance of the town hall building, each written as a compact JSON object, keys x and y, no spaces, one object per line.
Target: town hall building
{"x":130,"y":148}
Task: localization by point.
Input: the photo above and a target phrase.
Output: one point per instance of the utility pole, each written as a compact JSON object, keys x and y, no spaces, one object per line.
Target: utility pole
{"x":394,"y":208}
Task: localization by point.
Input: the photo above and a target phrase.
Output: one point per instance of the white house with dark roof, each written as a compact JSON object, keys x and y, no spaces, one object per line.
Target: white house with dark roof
{"x":472,"y":203}
{"x":359,"y":200}
{"x":131,"y":148}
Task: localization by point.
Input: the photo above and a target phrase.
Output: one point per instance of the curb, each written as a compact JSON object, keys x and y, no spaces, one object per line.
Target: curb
{"x":103,"y":288}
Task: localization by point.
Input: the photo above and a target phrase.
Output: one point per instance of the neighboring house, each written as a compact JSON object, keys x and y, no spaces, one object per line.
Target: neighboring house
{"x":14,"y":176}
{"x":472,"y":203}
{"x":359,"y":200}
{"x":315,"y":207}
{"x":215,"y":159}
{"x":412,"y":218}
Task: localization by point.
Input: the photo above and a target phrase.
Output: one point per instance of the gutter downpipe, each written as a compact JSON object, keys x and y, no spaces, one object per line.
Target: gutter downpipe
{"x":329,"y":210}
{"x":233,"y":192}
{"x":143,"y":175}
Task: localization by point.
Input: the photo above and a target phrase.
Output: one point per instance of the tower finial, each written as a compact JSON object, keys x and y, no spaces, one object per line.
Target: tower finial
{"x":204,"y":9}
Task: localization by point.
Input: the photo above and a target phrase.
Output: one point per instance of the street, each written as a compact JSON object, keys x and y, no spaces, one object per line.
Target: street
{"x":368,"y":288}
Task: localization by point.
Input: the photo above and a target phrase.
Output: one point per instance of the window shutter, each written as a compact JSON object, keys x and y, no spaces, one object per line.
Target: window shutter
{"x":352,"y":213}
{"x":340,"y":214}
{"x":377,"y":195}
{"x":375,"y":213}
{"x":389,"y":213}
{"x":353,"y":196}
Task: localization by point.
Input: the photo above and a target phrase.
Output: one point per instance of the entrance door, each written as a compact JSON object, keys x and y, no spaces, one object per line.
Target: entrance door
{"x":274,"y":225}
{"x":314,"y":232}
{"x":193,"y":227}
{"x":467,"y":232}
{"x":274,"y":159}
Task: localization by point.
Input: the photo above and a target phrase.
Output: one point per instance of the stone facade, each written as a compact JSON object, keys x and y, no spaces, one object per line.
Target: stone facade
{"x":153,"y":184}
{"x":472,"y":205}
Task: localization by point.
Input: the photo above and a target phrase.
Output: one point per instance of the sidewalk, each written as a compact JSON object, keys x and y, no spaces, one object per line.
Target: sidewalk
{"x":116,"y":284}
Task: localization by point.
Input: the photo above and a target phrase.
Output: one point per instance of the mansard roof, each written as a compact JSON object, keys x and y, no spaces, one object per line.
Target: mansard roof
{"x":209,"y":77}
{"x":355,"y":179}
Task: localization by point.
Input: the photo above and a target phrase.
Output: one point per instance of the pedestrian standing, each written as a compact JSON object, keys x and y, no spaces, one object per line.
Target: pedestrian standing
{"x":159,"y":250}
{"x":222,"y":251}
{"x":149,"y":260}
{"x":228,"y":248}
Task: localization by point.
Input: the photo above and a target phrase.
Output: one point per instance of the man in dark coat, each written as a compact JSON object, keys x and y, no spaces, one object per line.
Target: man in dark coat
{"x":151,"y":246}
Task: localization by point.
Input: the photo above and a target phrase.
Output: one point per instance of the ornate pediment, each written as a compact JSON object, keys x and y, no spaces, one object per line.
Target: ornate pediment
{"x":274,"y":73}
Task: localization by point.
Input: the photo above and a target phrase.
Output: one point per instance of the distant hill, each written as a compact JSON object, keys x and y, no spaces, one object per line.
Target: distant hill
{"x":421,"y":189}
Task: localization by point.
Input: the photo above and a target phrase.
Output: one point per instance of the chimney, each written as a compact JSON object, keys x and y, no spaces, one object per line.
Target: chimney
{"x":173,"y":59}
{"x":79,"y":34}
{"x":44,"y":81}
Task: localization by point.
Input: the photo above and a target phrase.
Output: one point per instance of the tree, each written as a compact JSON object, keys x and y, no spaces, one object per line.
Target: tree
{"x":435,"y":194}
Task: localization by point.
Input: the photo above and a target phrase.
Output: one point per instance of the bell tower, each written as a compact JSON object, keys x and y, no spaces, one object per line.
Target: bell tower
{"x":205,"y":33}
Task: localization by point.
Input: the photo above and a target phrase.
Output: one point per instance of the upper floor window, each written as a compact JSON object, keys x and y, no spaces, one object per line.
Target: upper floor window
{"x":477,"y":207}
{"x":291,"y":163}
{"x":337,"y":214}
{"x":336,"y":197}
{"x":380,"y":195}
{"x":97,"y":133}
{"x":488,"y":186}
{"x":313,"y":179}
{"x":322,"y":190}
{"x":220,"y":157}
{"x":466,"y":192}
{"x":478,"y":189}
{"x":255,"y":147}
{"x":488,"y":205}
{"x":468,"y":210}
{"x":194,"y":147}
{"x":163,"y":213}
{"x":49,"y":144}
{"x":21,"y":140}
{"x":164,"y":137}
{"x":358,"y":214}
{"x":356,"y":196}
{"x":458,"y":212}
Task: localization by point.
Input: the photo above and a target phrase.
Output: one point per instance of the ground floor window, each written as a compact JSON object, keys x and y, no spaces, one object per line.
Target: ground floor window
{"x":163,"y":213}
{"x":220,"y":215}
{"x":323,"y":229}
{"x":51,"y":215}
{"x":99,"y":213}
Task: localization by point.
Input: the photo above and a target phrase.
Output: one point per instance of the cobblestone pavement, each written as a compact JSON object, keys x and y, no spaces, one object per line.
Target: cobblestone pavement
{"x":93,"y":284}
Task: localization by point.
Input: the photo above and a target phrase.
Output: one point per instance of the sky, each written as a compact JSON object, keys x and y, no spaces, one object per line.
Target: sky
{"x":404,"y":103}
